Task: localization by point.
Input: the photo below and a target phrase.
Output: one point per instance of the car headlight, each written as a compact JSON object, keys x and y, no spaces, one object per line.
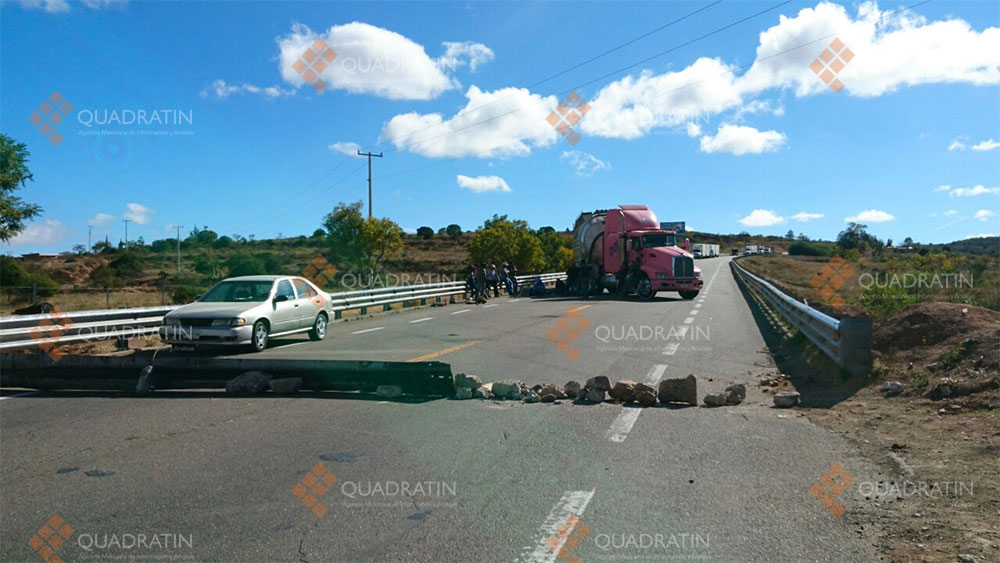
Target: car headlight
{"x":171,"y":321}
{"x":229,"y":322}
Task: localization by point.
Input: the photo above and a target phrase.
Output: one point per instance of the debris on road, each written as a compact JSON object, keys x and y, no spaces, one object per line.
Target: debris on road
{"x":892,"y":388}
{"x":249,"y":383}
{"x":714,"y":400}
{"x":683,"y":390}
{"x":509,"y":388}
{"x":594,"y":395}
{"x":644,"y":394}
{"x":389,"y":391}
{"x":467,"y":381}
{"x":463,"y":393}
{"x":572,"y":389}
{"x":786,"y":400}
{"x":623,"y":391}
{"x":598,"y":382}
{"x":286,"y":385}
{"x":735,"y":394}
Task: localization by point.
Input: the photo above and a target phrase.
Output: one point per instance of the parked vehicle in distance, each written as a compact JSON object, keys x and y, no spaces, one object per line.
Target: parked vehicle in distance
{"x":734,"y":252}
{"x":633,"y":254}
{"x":249,"y":310}
{"x":701,"y":250}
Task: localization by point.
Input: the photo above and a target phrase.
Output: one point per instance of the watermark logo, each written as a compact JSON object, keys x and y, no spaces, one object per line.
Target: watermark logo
{"x":830,"y":279}
{"x":50,"y":537}
{"x":313,"y":486}
{"x":567,"y":538}
{"x":49,"y":331}
{"x":830,"y":62}
{"x":313,"y":62}
{"x":567,"y":114}
{"x":319,"y":270}
{"x":828,"y":488}
{"x":567,"y":329}
{"x":50,"y":114}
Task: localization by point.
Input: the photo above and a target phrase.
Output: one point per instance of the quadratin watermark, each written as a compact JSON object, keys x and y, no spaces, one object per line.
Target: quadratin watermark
{"x":52,"y":541}
{"x":567,"y":114}
{"x":918,"y":280}
{"x":647,"y":338}
{"x":49,"y":331}
{"x":570,"y":538}
{"x":830,"y":62}
{"x":567,"y":329}
{"x":319,"y":481}
{"x":830,"y":278}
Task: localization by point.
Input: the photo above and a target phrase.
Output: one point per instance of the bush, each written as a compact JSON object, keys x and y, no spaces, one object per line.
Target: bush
{"x":105,"y":277}
{"x":806,"y":249}
{"x":425,"y":232}
{"x":128,"y":265}
{"x":245,"y":265}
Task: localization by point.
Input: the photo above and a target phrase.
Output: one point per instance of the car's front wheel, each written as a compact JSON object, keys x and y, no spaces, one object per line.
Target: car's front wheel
{"x":318,"y":331}
{"x":259,"y":338}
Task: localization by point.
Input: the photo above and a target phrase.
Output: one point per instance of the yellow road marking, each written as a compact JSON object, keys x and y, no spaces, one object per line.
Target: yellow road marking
{"x":446,"y":351}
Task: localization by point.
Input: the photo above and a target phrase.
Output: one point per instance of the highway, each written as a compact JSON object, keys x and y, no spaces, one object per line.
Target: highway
{"x":486,"y":480}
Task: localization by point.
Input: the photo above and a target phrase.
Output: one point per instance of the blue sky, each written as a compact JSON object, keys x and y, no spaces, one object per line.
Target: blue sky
{"x":729,"y":132}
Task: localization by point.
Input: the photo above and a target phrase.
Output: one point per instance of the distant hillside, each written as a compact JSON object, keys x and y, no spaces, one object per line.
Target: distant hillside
{"x":978,"y":246}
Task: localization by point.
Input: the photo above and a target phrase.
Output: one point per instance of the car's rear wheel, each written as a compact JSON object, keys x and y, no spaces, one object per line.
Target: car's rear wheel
{"x":689,"y":294}
{"x":318,"y":331}
{"x":260,"y":334}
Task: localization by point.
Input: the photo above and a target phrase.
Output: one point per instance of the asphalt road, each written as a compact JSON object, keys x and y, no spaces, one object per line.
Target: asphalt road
{"x":449,"y":480}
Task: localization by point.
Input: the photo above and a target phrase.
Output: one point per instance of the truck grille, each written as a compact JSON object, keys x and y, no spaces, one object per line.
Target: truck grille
{"x":683,"y":267}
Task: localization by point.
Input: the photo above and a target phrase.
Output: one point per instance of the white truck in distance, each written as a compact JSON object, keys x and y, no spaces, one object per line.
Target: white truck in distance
{"x":700,"y":250}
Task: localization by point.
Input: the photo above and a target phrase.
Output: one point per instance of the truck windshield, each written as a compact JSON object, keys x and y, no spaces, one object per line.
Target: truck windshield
{"x":236,"y":291}
{"x":651,"y":241}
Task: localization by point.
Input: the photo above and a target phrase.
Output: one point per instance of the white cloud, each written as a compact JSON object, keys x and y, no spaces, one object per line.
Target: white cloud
{"x":377,"y":61}
{"x":981,"y":235}
{"x":137,"y":213}
{"x":984,"y":214}
{"x":221,"y":90}
{"x":950,"y":213}
{"x":347,"y":148}
{"x":50,"y":6}
{"x":986,"y":145}
{"x":957,"y":145}
{"x":741,"y":139}
{"x":501,"y":123}
{"x":903,"y":49}
{"x":762,"y":218}
{"x":870,"y":216}
{"x":464,"y":53}
{"x":43,"y":234}
{"x":482,"y":184}
{"x":693,"y":130}
{"x":944,"y":188}
{"x":970,"y":192}
{"x":803,"y":217}
{"x":585,"y":164}
{"x":101,"y":220}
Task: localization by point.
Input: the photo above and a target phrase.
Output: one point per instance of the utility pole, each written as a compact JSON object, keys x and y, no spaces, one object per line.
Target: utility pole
{"x":178,"y":227}
{"x":90,"y":233}
{"x":126,"y":221}
{"x":369,"y":155}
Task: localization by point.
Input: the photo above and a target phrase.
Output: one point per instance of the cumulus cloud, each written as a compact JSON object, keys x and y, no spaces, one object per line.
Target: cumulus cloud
{"x":502,"y":123}
{"x":986,"y":145}
{"x":984,"y":215}
{"x":969,"y":192}
{"x":101,"y":220}
{"x":58,"y":6}
{"x":483,"y":184}
{"x":377,"y":61}
{"x":762,"y":218}
{"x":741,"y":139}
{"x":870,"y":216}
{"x":347,"y":148}
{"x":137,"y":213}
{"x":221,"y":90}
{"x":981,"y":235}
{"x":803,"y":216}
{"x":693,"y":130}
{"x":46,"y":233}
{"x":585,"y":164}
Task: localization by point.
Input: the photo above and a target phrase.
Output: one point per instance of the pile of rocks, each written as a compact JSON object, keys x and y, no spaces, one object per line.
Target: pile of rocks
{"x":733,"y":395}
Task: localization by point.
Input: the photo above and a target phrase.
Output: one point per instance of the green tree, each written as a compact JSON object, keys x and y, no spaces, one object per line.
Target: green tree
{"x":224,"y":242}
{"x":856,"y":237}
{"x":556,"y":248}
{"x":128,"y":265}
{"x":14,"y":174}
{"x":245,"y":265}
{"x":425,"y":232}
{"x":344,"y":226}
{"x":503,"y":240}
{"x":380,"y":239}
{"x":453,"y":230}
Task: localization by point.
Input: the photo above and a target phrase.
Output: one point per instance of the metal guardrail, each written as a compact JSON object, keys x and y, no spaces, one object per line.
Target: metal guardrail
{"x":31,"y":331}
{"x":847,"y":341}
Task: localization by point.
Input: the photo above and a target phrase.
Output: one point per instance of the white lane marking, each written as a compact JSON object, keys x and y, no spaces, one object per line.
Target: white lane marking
{"x":626,"y":419}
{"x":697,"y":305}
{"x":689,"y":320}
{"x":514,"y":300}
{"x":25,"y":394}
{"x":295,"y":344}
{"x":490,"y":305}
{"x":462,"y":311}
{"x":695,"y":312}
{"x":421,"y":320}
{"x":368,"y":330}
{"x":572,"y":503}
{"x":681,"y":331}
{"x":671,"y":348}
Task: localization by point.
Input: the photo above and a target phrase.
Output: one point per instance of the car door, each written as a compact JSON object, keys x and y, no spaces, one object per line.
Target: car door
{"x":307,"y":309}
{"x":285,"y":314}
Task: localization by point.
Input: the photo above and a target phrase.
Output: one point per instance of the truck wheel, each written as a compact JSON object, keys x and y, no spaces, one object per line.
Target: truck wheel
{"x":644,"y":290}
{"x":689,"y":294}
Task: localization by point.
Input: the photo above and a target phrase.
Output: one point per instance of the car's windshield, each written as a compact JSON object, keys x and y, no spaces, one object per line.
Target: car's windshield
{"x":237,"y":291}
{"x":663,"y":239}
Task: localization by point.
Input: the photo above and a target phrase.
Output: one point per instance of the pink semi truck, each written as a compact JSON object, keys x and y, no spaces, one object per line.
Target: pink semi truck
{"x":632,"y":254}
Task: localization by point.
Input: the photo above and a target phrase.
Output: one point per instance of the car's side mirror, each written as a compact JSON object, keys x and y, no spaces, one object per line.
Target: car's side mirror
{"x":280,"y":298}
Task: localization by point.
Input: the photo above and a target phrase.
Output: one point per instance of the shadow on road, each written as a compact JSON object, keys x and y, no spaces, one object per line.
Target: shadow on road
{"x":22,"y":394}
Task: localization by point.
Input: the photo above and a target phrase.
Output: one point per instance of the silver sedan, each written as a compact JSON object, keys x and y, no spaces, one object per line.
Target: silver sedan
{"x":249,"y":310}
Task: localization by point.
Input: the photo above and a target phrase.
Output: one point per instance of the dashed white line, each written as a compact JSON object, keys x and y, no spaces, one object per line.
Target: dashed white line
{"x":695,"y":312}
{"x":626,"y":419}
{"x":368,"y":330}
{"x":697,"y":305}
{"x":421,"y":320}
{"x":572,"y":503}
{"x":462,"y":311}
{"x":490,"y":305}
{"x":689,"y":320}
{"x":671,"y":348}
{"x":513,"y":300}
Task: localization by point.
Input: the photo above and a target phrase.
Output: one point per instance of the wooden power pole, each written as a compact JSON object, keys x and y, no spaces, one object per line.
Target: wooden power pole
{"x":369,"y":155}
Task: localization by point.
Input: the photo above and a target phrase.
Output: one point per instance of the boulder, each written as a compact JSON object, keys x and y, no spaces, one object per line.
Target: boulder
{"x":786,"y":400}
{"x":735,"y":394}
{"x":286,"y":385}
{"x":572,"y":389}
{"x":644,"y":394}
{"x":481,"y":393}
{"x":594,"y":396}
{"x":388,"y":391}
{"x":248,"y":383}
{"x":715,"y":399}
{"x":624,"y":390}
{"x":598,"y":382}
{"x":516,"y":396}
{"x":892,"y":388}
{"x":463,"y":393}
{"x":550,"y":389}
{"x":507,"y":388}
{"x":683,"y":390}
{"x":532,"y":397}
{"x":468,"y":381}
{"x":549,"y":398}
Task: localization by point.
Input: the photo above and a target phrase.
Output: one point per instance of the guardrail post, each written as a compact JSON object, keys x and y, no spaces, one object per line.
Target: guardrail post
{"x":386,"y":307}
{"x":856,"y":345}
{"x":337,"y":315}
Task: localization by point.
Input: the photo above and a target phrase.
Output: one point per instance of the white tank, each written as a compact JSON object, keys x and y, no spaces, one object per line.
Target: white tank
{"x":587,"y":229}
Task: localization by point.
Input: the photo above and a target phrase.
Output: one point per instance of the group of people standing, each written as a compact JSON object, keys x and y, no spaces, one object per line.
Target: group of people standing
{"x":482,"y":278}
